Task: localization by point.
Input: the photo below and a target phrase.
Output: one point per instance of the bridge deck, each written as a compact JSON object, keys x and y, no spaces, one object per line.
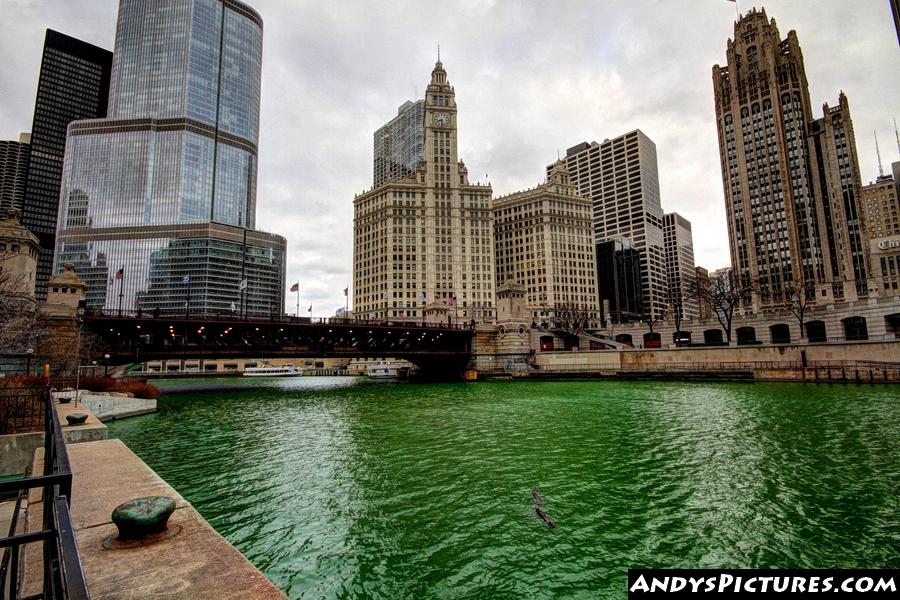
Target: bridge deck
{"x":140,"y":338}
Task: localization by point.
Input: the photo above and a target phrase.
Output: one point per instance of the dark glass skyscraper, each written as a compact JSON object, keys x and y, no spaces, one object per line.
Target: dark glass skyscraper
{"x":177,"y":150}
{"x":619,"y":280}
{"x":73,"y":84}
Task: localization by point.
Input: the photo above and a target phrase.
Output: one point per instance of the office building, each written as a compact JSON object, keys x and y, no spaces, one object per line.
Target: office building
{"x":158,"y":200}
{"x":791,"y":182}
{"x":880,"y":203}
{"x":620,"y":177}
{"x":73,"y":84}
{"x":427,"y":240}
{"x":14,"y":157}
{"x":704,"y":306}
{"x":398,"y":146}
{"x":544,"y":242}
{"x":681,"y":273}
{"x":619,"y":279}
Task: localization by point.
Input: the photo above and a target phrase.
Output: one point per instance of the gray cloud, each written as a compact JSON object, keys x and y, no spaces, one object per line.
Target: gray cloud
{"x":531,"y":77}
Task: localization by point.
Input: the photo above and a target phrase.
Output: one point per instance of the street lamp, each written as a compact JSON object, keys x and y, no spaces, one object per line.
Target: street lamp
{"x":78,"y":369}
{"x":106,"y":365}
{"x":29,"y":352}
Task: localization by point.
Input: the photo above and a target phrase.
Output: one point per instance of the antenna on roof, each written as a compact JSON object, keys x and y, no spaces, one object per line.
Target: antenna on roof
{"x":878,"y":154}
{"x":439,"y":53}
{"x":897,"y":135}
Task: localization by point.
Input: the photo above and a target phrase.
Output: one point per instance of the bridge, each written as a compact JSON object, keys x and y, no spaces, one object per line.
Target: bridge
{"x":436,"y":348}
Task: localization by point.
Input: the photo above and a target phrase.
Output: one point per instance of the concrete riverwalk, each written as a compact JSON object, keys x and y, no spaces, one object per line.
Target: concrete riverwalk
{"x":197,"y":562}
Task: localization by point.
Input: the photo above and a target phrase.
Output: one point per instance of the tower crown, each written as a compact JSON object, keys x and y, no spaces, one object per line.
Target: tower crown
{"x":438,"y":74}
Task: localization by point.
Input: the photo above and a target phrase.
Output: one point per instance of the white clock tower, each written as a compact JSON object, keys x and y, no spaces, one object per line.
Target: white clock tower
{"x":427,"y":239}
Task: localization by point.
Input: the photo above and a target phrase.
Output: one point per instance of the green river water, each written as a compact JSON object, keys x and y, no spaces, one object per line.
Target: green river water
{"x":344,"y":488}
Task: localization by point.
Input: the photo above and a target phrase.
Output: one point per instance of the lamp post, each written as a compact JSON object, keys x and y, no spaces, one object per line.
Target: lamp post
{"x":78,"y":369}
{"x":106,"y":365}
{"x":30,"y":353}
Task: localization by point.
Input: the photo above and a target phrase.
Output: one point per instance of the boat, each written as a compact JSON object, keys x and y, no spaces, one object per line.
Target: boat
{"x":387,"y":371}
{"x":270,"y":371}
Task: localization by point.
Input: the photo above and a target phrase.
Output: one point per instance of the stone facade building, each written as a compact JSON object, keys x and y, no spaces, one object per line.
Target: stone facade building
{"x":880,"y":202}
{"x":544,"y":241}
{"x":791,"y":182}
{"x":428,"y":238}
{"x":19,"y":251}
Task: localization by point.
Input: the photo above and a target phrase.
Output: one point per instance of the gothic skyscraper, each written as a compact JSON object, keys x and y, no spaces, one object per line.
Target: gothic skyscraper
{"x":791,"y":183}
{"x":158,"y":200}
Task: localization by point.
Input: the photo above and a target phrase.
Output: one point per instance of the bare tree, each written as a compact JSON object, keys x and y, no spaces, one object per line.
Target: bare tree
{"x":651,"y":318}
{"x":17,"y":314}
{"x":724,"y":292}
{"x":23,"y":327}
{"x":571,"y":319}
{"x":677,"y":310}
{"x":799,"y":299}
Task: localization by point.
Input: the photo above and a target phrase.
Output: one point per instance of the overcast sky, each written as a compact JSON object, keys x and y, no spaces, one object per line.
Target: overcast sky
{"x":531,"y":78}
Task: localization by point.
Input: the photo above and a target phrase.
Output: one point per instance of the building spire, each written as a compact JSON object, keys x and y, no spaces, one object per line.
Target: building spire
{"x":439,"y":53}
{"x":897,"y":135}
{"x":878,"y":154}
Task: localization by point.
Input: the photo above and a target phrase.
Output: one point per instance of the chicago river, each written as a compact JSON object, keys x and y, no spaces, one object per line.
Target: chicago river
{"x":338,"y":487}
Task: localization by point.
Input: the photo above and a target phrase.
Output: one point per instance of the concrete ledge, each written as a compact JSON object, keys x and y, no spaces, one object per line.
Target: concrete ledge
{"x":196,"y":563}
{"x":90,"y":431}
{"x":109,"y":408}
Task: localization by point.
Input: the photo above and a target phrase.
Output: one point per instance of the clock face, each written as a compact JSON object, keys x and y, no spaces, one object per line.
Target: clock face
{"x":441,"y":119}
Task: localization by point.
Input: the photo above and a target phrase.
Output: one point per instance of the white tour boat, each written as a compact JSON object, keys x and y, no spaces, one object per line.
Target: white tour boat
{"x":269,"y":371}
{"x":387,"y":371}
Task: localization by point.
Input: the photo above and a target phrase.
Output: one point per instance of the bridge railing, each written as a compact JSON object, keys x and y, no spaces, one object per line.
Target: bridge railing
{"x":235,"y":318}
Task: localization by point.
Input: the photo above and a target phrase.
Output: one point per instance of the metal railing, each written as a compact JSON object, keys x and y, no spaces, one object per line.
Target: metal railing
{"x":233,"y":318}
{"x":63,"y":576}
{"x":22,"y":410}
{"x":763,"y":365}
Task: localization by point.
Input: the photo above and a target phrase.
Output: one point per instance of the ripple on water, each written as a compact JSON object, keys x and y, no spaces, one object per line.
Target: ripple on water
{"x":337,"y":488}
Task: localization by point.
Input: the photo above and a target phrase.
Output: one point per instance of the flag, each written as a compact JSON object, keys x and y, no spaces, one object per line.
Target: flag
{"x":120,"y":273}
{"x":242,"y":285}
{"x":271,"y":255}
{"x":233,"y":307}
{"x":186,"y":279}
{"x":346,"y":289}
{"x":295,"y":287}
{"x":310,"y":309}
{"x":422,"y":297}
{"x":451,"y":301}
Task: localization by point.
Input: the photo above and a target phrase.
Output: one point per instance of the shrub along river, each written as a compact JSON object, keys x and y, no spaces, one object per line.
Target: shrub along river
{"x":343,"y":488}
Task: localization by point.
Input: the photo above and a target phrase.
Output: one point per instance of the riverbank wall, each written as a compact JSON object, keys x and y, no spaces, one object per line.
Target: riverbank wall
{"x":876,"y":362}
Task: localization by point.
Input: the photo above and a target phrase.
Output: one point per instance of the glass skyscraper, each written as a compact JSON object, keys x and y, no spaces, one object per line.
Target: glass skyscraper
{"x":158,"y":201}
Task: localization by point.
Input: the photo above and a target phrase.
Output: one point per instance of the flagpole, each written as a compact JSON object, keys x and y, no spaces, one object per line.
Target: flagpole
{"x":121,"y":289}
{"x":298,"y":300}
